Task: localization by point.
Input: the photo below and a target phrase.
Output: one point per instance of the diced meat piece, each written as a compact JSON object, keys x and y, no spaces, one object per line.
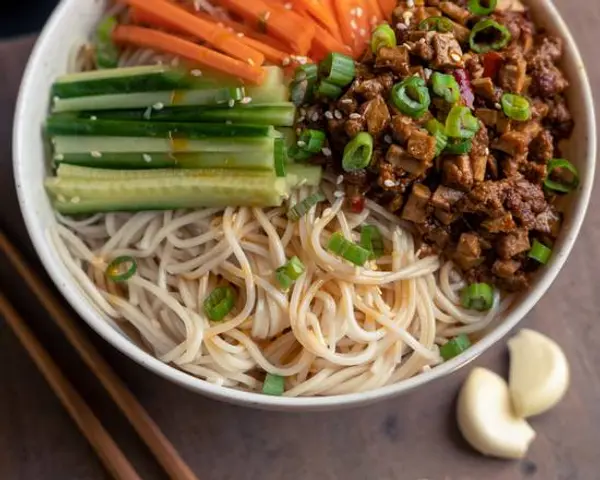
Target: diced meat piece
{"x":456,"y":172}
{"x":387,"y":81}
{"x":503,"y":223}
{"x":512,"y":73}
{"x":492,"y":166}
{"x":369,"y":89}
{"x":433,"y":3}
{"x":415,"y":209}
{"x":403,"y":127}
{"x":560,"y":118}
{"x":347,"y":104}
{"x":492,"y":62}
{"x":445,"y":198}
{"x":539,"y":109}
{"x":468,"y":251}
{"x":377,"y":116}
{"x":530,"y":129}
{"x":421,"y":145}
{"x":510,"y":166}
{"x":479,"y":153}
{"x":417,"y":71}
{"x":387,"y":178}
{"x":548,"y":49}
{"x":534,"y":172}
{"x":512,"y":142}
{"x":356,"y":177}
{"x":525,"y":201}
{"x":433,"y":233}
{"x":504,"y":124}
{"x":505,"y":268}
{"x":510,"y":5}
{"x":461,"y":33}
{"x":455,"y":12}
{"x":515,"y":283}
{"x":541,"y":149}
{"x":487,"y":197}
{"x":484,"y":87}
{"x":547,"y":80}
{"x":446,"y":217}
{"x":448,"y":53}
{"x":353,"y":126}
{"x":423,"y":48}
{"x":473,"y":65}
{"x":513,"y":243}
{"x":394,"y":58}
{"x":549,"y":222}
{"x":399,"y":158}
{"x":488,"y":116}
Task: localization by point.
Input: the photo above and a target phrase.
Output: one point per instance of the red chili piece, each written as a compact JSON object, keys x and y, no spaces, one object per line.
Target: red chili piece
{"x":464,"y":83}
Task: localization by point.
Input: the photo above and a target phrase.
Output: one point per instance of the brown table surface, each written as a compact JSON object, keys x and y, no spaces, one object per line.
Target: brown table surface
{"x":408,"y":438}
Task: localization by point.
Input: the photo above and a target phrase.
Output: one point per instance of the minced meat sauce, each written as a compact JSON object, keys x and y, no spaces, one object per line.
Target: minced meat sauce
{"x":482,"y":209}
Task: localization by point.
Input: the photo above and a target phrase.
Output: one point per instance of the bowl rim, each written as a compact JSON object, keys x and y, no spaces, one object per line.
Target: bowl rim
{"x":65,"y":283}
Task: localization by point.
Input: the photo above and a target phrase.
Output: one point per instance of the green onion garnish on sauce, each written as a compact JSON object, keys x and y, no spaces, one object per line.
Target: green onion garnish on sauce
{"x":327,"y":89}
{"x":516,"y":107}
{"x":219,"y":303}
{"x":459,"y":147}
{"x":337,"y":69}
{"x":411,"y":97}
{"x":461,"y":123}
{"x":495,"y":36}
{"x":121,"y":268}
{"x":477,"y":296}
{"x":358,"y":152}
{"x":453,"y":348}
{"x":274,"y":385}
{"x":301,"y":208}
{"x":383,"y":36}
{"x":540,"y":252}
{"x":561,"y":186}
{"x":350,"y":251}
{"x":372,"y":240}
{"x":437,"y":24}
{"x":482,"y":7}
{"x":288,"y":273}
{"x":303,"y":84}
{"x":437,"y":129}
{"x":445,"y":86}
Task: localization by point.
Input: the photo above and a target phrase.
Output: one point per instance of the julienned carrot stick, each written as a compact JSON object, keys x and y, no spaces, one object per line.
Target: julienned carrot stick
{"x":321,"y":13}
{"x":387,"y":7}
{"x":323,"y":43}
{"x":280,"y":23}
{"x":273,"y":55}
{"x":376,"y":15}
{"x":346,"y":11}
{"x":217,"y":36}
{"x":148,"y":38}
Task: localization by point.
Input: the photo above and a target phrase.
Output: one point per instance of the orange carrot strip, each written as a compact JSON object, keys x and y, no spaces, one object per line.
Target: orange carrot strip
{"x":323,"y":43}
{"x":387,"y":7}
{"x":346,"y":13}
{"x":376,"y":15}
{"x":281,"y":23}
{"x":270,"y":53}
{"x":321,"y":13}
{"x":362,"y":16}
{"x":148,"y":38}
{"x":217,"y":36}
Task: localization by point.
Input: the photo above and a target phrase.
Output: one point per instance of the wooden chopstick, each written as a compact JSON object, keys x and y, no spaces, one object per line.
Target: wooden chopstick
{"x":108,"y":451}
{"x":139,"y":418}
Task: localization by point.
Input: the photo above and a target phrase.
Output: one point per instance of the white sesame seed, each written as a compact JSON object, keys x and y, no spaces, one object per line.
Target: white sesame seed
{"x":373,"y":20}
{"x":326,"y":151}
{"x":329,"y":115}
{"x":346,"y":100}
{"x":353,"y":11}
{"x":456,"y":57}
{"x":400,"y":26}
{"x":497,"y":106}
{"x":93,"y":117}
{"x":337,"y":114}
{"x":251,"y":62}
{"x":231,"y":102}
{"x":387,"y":139}
{"x":359,"y":12}
{"x":301,"y":118}
{"x":362,"y":32}
{"x":410,"y":3}
{"x":75,"y":200}
{"x":175,"y":62}
{"x":158,"y":106}
{"x":56,"y":98}
{"x":286,"y":61}
{"x":302,"y":111}
{"x":389,"y":183}
{"x":61,"y":198}
{"x":315,"y":116}
{"x":147,"y":158}
{"x":246,"y":100}
{"x":288,"y":6}
{"x":354,"y":115}
{"x":338,"y":194}
{"x":353,"y":24}
{"x":196,"y":73}
{"x":301,"y":143}
{"x":228,"y":122}
{"x":59,"y":157}
{"x":95,"y":154}
{"x":302,"y":60}
{"x":339,"y":179}
{"x":487,"y":151}
{"x":147,"y":113}
{"x":428,"y":73}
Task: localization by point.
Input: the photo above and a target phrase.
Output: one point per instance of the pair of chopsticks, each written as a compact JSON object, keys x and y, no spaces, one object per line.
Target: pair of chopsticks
{"x":111,"y":456}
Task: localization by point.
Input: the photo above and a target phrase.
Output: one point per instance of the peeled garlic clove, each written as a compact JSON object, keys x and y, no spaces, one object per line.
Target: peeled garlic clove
{"x":539,"y":373}
{"x":486,"y":419}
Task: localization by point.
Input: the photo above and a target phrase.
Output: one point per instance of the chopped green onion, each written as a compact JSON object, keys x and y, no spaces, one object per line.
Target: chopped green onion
{"x":516,"y":107}
{"x":219,"y":303}
{"x":301,"y":208}
{"x":477,"y":296}
{"x":496,"y":36}
{"x":311,"y":140}
{"x":540,"y":252}
{"x":303,"y":84}
{"x":383,"y":36}
{"x":107,"y":54}
{"x":411,"y":97}
{"x":453,"y":348}
{"x":458,"y":147}
{"x":358,"y":152}
{"x":308,"y":71}
{"x":274,"y":385}
{"x":478,"y":7}
{"x":461,"y":123}
{"x":438,"y":130}
{"x":437,"y":24}
{"x":560,"y":186}
{"x":348,"y":250}
{"x":446,"y":87}
{"x":280,"y":157}
{"x":121,"y":268}
{"x":337,"y":69}
{"x":327,"y":89}
{"x":288,"y":273}
{"x":372,"y":240}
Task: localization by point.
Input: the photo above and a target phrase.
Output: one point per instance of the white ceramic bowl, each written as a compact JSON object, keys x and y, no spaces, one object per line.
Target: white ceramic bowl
{"x":73,"y":20}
